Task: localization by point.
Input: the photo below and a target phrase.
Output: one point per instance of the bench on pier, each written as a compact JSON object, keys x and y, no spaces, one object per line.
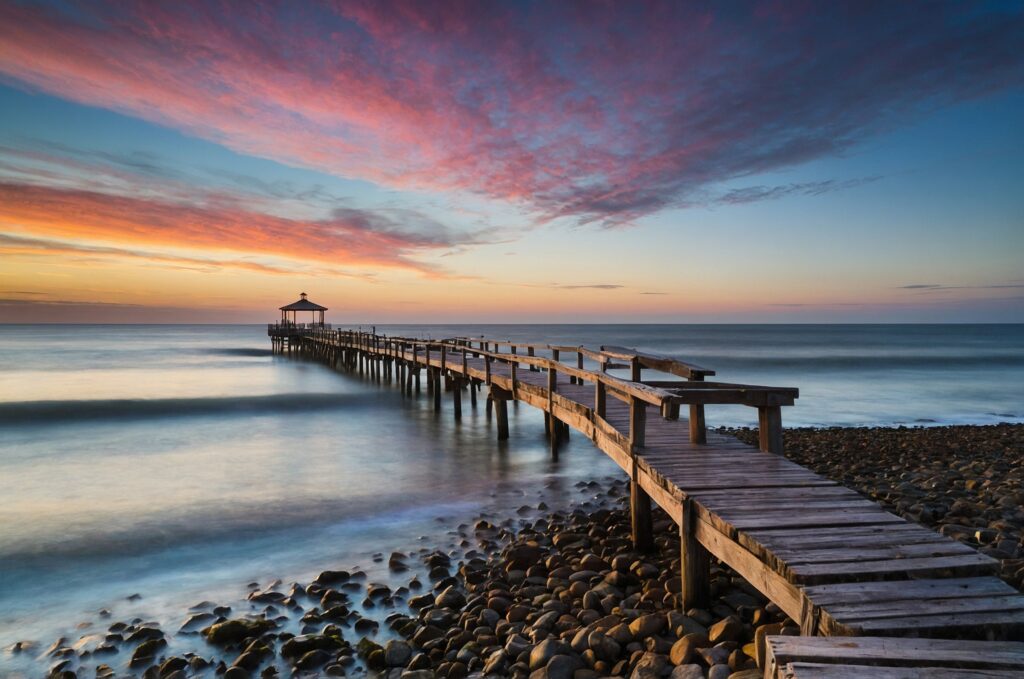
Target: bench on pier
{"x":886,"y":658}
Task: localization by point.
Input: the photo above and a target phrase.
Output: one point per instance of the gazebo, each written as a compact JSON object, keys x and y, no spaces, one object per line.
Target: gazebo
{"x":302,"y":304}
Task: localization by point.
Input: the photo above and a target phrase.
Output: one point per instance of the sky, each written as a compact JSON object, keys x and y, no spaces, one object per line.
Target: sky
{"x":487,"y":162}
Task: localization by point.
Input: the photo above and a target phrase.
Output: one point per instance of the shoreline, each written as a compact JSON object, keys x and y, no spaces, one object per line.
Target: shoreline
{"x":470,"y":601}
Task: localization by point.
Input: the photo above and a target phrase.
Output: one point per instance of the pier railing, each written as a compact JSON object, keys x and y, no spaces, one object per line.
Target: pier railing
{"x":451,"y":354}
{"x":285,"y":328}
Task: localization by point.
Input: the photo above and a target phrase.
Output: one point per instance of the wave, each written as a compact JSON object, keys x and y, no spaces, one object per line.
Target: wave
{"x":56,"y":412}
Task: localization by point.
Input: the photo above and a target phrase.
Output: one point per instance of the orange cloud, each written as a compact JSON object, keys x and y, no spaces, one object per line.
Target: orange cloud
{"x":349,"y":238}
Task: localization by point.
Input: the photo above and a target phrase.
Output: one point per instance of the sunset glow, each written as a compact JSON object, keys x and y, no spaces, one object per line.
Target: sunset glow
{"x":663,"y":162}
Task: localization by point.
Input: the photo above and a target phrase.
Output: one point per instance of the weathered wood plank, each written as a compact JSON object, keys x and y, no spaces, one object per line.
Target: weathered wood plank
{"x":803,"y":670}
{"x":897,"y":652}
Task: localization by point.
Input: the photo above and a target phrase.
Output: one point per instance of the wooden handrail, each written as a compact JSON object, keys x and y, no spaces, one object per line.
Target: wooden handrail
{"x":663,"y":364}
{"x":667,"y":395}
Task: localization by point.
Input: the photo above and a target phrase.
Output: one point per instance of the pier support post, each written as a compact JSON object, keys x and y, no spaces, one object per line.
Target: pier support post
{"x":695,"y":562}
{"x":499,"y":397}
{"x":436,"y":379}
{"x":642,"y":522}
{"x":769,"y":421}
{"x":472,"y":394}
{"x":457,"y":398}
{"x":698,"y":428}
{"x":501,"y":409}
{"x":640,"y":516}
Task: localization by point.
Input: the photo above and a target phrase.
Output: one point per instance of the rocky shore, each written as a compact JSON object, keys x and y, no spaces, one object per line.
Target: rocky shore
{"x":553,"y":593}
{"x":967,"y":482}
{"x":560,"y":596}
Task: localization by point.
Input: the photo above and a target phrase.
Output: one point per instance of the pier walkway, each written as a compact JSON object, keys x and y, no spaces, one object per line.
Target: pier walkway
{"x":835,"y":562}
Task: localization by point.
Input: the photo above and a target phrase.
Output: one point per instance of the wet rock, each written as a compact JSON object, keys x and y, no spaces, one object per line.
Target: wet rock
{"x":332,"y":577}
{"x":172,"y":665}
{"x":312,"y":660}
{"x":146,"y":652}
{"x":684,"y":650}
{"x":235,"y":631}
{"x":304,"y":643}
{"x":450,"y":598}
{"x":397,"y":653}
{"x":197,"y":621}
{"x":543,"y":652}
{"x":563,"y":666}
{"x":651,"y":666}
{"x":646,"y":625}
{"x":719,"y":672}
{"x":689,"y":671}
{"x":727,"y":629}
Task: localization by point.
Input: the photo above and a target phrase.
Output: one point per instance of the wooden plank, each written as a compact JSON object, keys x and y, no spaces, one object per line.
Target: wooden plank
{"x":942,"y":588}
{"x":902,"y":608}
{"x":988,"y":624}
{"x":832,"y":571}
{"x":803,"y":670}
{"x":897,"y":651}
{"x":945,"y":547}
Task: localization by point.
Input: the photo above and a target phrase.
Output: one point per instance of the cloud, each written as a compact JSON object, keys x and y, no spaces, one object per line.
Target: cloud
{"x":224,"y":231}
{"x":599,"y":113}
{"x":9,"y":302}
{"x":932,"y":287}
{"x":595,"y":286}
{"x":754,"y":194}
{"x":17,"y":245}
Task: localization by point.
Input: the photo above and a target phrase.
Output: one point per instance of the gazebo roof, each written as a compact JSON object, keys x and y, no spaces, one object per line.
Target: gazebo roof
{"x":303,"y":304}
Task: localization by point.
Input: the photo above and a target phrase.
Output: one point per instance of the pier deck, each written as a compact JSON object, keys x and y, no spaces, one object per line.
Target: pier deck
{"x":836,"y":563}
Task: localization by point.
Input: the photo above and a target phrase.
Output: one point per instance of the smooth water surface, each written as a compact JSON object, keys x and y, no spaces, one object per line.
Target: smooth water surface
{"x":184,"y":461}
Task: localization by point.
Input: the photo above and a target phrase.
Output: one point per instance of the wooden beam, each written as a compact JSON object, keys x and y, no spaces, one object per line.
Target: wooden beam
{"x":642,"y":522}
{"x":695,"y":562}
{"x":501,"y":411}
{"x":769,"y":419}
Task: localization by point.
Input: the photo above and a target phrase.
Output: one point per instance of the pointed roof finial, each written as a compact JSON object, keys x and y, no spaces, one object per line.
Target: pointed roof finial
{"x":302,"y":295}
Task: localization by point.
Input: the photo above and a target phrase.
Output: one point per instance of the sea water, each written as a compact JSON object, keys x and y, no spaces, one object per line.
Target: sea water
{"x":181,"y":462}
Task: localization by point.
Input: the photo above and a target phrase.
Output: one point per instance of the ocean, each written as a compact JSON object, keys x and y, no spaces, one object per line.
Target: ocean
{"x":181,"y":462}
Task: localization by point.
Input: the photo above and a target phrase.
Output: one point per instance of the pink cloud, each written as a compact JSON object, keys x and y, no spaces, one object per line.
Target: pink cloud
{"x":598,"y":112}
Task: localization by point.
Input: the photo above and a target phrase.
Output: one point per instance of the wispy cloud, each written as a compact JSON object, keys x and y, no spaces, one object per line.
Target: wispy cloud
{"x":753,"y":194}
{"x":650,"y":105}
{"x":110,"y":224}
{"x":935,"y":287}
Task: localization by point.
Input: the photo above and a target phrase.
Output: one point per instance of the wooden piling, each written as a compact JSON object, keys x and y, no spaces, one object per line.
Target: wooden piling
{"x":457,"y":399}
{"x":695,"y":562}
{"x":641,"y":519}
{"x":769,"y":419}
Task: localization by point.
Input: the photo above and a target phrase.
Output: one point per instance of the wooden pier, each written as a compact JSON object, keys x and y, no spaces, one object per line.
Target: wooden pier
{"x":836,"y":563}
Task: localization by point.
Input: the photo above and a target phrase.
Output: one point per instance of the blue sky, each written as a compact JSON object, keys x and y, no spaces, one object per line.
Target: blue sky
{"x":665,"y":164}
